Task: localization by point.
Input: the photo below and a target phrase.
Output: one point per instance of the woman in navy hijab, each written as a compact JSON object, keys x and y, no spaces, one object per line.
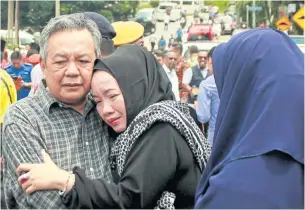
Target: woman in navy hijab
{"x":257,"y":159}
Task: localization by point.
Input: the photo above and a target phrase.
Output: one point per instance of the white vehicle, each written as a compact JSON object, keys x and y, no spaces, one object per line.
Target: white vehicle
{"x":216,"y":28}
{"x":163,"y":8}
{"x":227,"y":24}
{"x":24,"y":37}
{"x":204,"y":17}
{"x":202,"y":46}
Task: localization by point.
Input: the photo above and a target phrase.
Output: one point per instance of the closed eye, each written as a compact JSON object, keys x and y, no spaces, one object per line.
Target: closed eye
{"x":59,"y":62}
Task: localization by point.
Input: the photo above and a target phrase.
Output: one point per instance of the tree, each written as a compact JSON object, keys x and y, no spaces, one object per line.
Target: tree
{"x":269,"y":14}
{"x":222,"y":5}
{"x":35,"y":14}
{"x":17,"y":22}
{"x":154,"y":3}
{"x":107,"y":14}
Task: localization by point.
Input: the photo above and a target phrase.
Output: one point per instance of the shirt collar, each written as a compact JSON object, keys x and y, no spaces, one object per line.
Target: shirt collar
{"x":48,"y":100}
{"x":205,"y":69}
{"x":167,"y":70}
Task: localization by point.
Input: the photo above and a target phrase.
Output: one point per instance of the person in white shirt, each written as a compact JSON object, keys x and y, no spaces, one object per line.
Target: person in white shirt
{"x":166,"y":22}
{"x":153,"y":41}
{"x":193,"y":76}
{"x":169,"y":65}
{"x":159,"y":55}
{"x":36,"y":77}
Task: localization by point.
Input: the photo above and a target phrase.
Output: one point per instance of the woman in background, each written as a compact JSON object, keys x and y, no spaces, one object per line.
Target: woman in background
{"x":257,"y":158}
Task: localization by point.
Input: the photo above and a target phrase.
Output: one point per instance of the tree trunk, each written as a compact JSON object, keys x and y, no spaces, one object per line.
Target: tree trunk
{"x":10,"y":20}
{"x":17,"y":22}
{"x":57,"y":8}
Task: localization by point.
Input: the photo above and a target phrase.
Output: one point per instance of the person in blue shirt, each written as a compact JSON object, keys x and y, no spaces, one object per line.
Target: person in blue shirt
{"x":257,"y":159}
{"x":23,"y":71}
{"x":162,"y":43}
{"x":179,"y":35}
{"x":208,"y":100}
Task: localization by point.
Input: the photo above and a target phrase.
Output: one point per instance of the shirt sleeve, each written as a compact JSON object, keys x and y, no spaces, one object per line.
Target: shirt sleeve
{"x":187,"y":76}
{"x":204,"y":104}
{"x":33,"y":72}
{"x":21,"y":145}
{"x":176,"y":88}
{"x":149,"y":166}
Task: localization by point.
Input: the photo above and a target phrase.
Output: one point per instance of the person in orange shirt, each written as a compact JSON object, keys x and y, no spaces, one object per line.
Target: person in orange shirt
{"x":181,"y":66}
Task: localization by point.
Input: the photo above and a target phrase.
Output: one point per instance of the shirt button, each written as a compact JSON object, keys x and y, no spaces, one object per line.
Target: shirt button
{"x":91,"y":169}
{"x":87,"y":143}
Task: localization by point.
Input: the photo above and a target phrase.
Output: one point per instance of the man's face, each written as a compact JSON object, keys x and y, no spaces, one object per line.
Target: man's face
{"x":210,"y":65}
{"x":69,"y":65}
{"x":16,"y":63}
{"x":202,"y":59}
{"x":159,"y":59}
{"x":171,"y":60}
{"x":140,"y":42}
{"x":177,"y":51}
{"x":27,"y":47}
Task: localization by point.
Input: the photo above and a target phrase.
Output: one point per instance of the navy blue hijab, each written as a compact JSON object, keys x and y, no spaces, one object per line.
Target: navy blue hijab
{"x":260,"y":79}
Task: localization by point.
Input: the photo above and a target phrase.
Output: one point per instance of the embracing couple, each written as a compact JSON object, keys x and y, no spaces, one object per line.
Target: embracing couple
{"x":125,"y":144}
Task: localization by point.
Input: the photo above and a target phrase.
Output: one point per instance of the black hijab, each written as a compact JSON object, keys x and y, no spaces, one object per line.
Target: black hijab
{"x":149,"y":99}
{"x":141,"y":79}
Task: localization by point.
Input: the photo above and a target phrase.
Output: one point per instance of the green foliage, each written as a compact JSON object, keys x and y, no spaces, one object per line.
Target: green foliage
{"x":222,"y":4}
{"x":143,"y":6}
{"x":35,"y":14}
{"x":124,"y":8}
{"x":107,"y":14}
{"x":154,"y":3}
{"x":10,"y":43}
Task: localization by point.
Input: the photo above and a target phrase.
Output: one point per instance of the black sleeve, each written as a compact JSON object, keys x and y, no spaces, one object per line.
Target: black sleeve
{"x":150,"y":165}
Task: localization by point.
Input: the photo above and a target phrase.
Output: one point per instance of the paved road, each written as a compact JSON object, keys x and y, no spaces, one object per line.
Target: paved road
{"x":172,"y":29}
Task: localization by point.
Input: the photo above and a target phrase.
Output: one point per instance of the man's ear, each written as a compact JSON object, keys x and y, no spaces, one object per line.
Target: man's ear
{"x":42,"y":64}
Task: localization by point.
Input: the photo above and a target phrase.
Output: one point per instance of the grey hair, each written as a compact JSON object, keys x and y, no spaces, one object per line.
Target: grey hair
{"x":75,"y":21}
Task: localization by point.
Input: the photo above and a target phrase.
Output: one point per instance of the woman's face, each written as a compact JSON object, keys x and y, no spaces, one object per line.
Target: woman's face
{"x":109,"y":100}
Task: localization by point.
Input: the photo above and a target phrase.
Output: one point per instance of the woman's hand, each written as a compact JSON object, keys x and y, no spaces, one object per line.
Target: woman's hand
{"x":45,"y":176}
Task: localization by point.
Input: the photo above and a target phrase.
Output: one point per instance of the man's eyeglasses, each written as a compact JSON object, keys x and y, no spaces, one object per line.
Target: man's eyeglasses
{"x":202,"y":57}
{"x":175,"y":59}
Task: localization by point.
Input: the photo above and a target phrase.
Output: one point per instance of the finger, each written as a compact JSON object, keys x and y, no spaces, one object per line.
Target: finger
{"x":46,"y":157}
{"x":25,"y":167}
{"x":23,"y":178}
{"x":26,"y":185}
{"x":30,"y":189}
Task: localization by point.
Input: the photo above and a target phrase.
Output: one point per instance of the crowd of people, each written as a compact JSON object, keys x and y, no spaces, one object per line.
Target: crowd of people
{"x":108,"y":124}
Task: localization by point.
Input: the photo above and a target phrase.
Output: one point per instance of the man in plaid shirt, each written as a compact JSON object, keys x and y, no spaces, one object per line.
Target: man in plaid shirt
{"x":61,"y":118}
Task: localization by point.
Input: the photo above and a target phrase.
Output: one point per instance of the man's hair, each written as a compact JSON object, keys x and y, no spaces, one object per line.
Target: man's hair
{"x":159,"y":53}
{"x":178,"y":47}
{"x":16,"y":55}
{"x":35,"y":46}
{"x":210,"y":53}
{"x":31,"y":52}
{"x":69,"y":22}
{"x":193,"y":49}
